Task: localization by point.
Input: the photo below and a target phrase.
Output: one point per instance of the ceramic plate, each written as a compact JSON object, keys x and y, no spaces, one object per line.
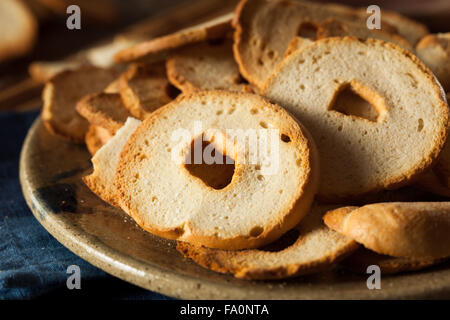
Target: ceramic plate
{"x":50,"y":172}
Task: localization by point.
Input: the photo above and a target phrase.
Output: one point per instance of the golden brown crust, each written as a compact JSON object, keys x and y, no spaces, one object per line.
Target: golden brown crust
{"x":144,"y":88}
{"x":290,"y":215}
{"x":337,"y":28}
{"x":360,"y":260}
{"x":259,"y":43}
{"x":434,"y":51}
{"x":410,"y":29}
{"x":105,"y":110}
{"x":93,"y":142}
{"x":314,"y":249}
{"x":43,"y":71}
{"x":104,"y":161}
{"x":61,"y":95}
{"x":205,"y":66}
{"x":95,"y":185}
{"x":157,"y":49}
{"x":441,"y":136}
{"x":335,"y":219}
{"x":415,"y":230}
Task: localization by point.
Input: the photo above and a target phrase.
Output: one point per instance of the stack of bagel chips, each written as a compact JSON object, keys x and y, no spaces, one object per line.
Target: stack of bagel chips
{"x":279,"y":140}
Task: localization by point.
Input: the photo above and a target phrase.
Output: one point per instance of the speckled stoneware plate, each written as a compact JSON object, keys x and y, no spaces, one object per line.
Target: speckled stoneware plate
{"x":51,"y":170}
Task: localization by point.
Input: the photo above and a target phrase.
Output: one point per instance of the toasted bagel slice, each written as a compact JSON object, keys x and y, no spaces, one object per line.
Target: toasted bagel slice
{"x":205,"y":66}
{"x":332,"y":27}
{"x":268,"y":194}
{"x":93,"y":140}
{"x":309,"y":248}
{"x":104,"y":110}
{"x":104,"y":161}
{"x":392,"y":138}
{"x":409,"y":29}
{"x":61,"y":94}
{"x":144,"y":88}
{"x":434,"y":51}
{"x":416,"y":230}
{"x":159,"y":48}
{"x":264,"y":29}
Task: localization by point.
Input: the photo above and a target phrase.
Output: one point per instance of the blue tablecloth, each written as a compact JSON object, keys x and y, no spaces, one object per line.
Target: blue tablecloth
{"x":33,"y":264}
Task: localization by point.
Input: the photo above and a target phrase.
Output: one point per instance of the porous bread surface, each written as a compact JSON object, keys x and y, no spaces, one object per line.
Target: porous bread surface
{"x":157,"y":49}
{"x":105,"y":110}
{"x":297,"y":43}
{"x":264,"y":29}
{"x":18,"y":29}
{"x":391,"y":22}
{"x":105,"y":160}
{"x":434,"y":50}
{"x":256,"y":208}
{"x":204,"y":66}
{"x":144,"y":88}
{"x":316,"y":248}
{"x":338,"y":28}
{"x":360,"y":260}
{"x":357,"y":155}
{"x":419,"y":230}
{"x":61,"y":94}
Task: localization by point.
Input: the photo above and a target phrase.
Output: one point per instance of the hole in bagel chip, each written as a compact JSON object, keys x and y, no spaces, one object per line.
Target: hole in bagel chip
{"x":216,"y":172}
{"x":308,"y":30}
{"x":354,"y":99}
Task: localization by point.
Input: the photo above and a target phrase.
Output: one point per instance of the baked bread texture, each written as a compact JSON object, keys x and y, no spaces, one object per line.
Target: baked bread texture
{"x":267,"y":194}
{"x":159,"y":48}
{"x":101,"y":180}
{"x":144,"y":88}
{"x":332,"y":27}
{"x":18,"y":29}
{"x":409,"y":29}
{"x":360,"y":153}
{"x":61,"y":95}
{"x":104,"y":110}
{"x":309,"y":248}
{"x":416,"y":230}
{"x":264,"y":29}
{"x":205,"y":66}
{"x":434,"y":50}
